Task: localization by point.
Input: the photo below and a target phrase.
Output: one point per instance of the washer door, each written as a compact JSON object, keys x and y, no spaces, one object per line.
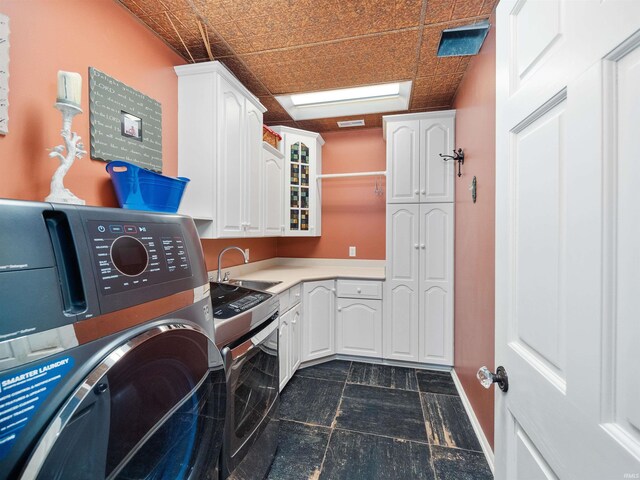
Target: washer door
{"x":153,"y":409}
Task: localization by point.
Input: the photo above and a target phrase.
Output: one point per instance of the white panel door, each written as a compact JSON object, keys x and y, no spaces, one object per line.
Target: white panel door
{"x":254,"y":184}
{"x":567,"y":229}
{"x":231,"y":156}
{"x":436,"y":283}
{"x":437,"y":175}
{"x":359,"y":327}
{"x":402,"y":285}
{"x":284,"y":348}
{"x":273,"y":187}
{"x":403,"y":161}
{"x":295,"y":319}
{"x":318,"y":300}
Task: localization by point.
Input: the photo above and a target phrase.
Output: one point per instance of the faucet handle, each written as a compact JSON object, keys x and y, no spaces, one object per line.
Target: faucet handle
{"x":226,"y":277}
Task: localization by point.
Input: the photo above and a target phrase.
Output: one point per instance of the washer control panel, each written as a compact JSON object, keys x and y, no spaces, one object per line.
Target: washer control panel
{"x":130,"y":256}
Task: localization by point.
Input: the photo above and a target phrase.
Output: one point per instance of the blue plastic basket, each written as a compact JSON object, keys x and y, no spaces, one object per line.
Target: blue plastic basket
{"x":140,"y":189}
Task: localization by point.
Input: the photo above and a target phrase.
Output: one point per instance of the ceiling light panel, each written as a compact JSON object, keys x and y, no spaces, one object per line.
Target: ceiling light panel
{"x":388,"y":97}
{"x":346,"y":94}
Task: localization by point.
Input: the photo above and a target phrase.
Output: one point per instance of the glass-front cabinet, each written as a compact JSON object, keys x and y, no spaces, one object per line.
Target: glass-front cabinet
{"x":303,"y":156}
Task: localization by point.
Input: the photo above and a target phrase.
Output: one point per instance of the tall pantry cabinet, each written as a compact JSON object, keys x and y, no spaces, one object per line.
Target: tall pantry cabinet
{"x":418,"y":307}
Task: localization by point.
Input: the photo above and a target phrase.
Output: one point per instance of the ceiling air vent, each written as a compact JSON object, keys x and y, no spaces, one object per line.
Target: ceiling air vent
{"x":351,"y":123}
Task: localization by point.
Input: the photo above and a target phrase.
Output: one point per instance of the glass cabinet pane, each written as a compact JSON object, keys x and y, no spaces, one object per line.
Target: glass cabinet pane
{"x":295,"y":197}
{"x":295,"y":174}
{"x":304,"y":197}
{"x":304,"y":154}
{"x":304,"y":175}
{"x":295,"y":152}
{"x":304,"y":219}
{"x":294,"y":222}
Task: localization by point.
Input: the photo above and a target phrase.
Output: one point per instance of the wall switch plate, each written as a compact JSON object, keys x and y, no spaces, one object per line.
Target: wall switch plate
{"x":352,"y":251}
{"x":246,"y":252}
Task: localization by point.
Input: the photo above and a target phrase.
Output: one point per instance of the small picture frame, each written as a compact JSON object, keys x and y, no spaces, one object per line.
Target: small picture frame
{"x":130,"y":126}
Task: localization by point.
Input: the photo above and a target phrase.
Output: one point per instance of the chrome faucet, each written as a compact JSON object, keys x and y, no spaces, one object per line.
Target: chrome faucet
{"x":246,"y":260}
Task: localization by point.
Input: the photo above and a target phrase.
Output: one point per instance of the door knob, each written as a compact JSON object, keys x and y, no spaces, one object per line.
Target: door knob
{"x":487,"y":378}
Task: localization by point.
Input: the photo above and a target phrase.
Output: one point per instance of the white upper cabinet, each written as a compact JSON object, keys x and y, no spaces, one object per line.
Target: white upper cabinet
{"x":220,"y":150}
{"x":415,"y":171}
{"x":253,"y":217}
{"x":273,"y":186}
{"x":302,"y":198}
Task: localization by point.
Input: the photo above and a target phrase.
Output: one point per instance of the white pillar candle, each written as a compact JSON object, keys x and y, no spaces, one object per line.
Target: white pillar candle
{"x":69,"y":87}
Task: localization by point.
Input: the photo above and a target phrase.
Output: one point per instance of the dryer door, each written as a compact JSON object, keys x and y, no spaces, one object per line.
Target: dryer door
{"x":153,"y":409}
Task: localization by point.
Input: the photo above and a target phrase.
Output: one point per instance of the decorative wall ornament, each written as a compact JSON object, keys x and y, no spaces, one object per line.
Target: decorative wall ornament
{"x":125,"y":124}
{"x":458,"y":156}
{"x":68,"y":102}
{"x":4,"y":74}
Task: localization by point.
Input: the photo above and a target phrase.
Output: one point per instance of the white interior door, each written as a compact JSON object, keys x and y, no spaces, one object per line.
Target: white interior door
{"x":567,"y":230}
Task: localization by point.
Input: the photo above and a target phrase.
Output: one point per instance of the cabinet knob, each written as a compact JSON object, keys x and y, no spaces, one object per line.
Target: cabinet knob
{"x":416,"y":192}
{"x":339,"y":309}
{"x":423,"y":246}
{"x":416,"y":246}
{"x":333,"y":290}
{"x":359,"y":290}
{"x":424,"y":192}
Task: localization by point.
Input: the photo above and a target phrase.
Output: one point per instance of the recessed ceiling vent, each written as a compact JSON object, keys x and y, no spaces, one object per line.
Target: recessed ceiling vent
{"x":351,"y":123}
{"x":465,"y":40}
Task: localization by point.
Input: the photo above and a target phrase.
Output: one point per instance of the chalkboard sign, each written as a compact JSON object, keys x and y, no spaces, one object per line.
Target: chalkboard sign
{"x":125,"y":124}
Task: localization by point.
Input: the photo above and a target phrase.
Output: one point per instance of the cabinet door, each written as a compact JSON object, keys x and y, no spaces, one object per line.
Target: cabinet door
{"x":359,"y":327}
{"x":254,"y":174}
{"x":403,"y":161}
{"x":273,"y":185}
{"x":436,"y":174}
{"x":231,"y":156}
{"x":301,"y":193}
{"x":318,"y":301}
{"x":402,"y":284}
{"x":436,"y":283}
{"x":296,"y":340}
{"x":284,"y":353}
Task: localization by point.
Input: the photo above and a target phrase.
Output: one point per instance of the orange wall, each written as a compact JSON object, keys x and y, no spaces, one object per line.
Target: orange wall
{"x":475,"y":238}
{"x":51,"y":35}
{"x":259,"y":249}
{"x":100,"y":34}
{"x":351,"y":212}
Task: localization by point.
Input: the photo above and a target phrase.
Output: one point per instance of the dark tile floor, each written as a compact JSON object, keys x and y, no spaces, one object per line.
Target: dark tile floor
{"x":356,"y":421}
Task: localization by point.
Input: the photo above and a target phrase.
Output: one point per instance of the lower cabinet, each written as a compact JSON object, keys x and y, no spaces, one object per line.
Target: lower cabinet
{"x":359,"y":318}
{"x":289,"y":338}
{"x":359,"y":327}
{"x":318,"y":301}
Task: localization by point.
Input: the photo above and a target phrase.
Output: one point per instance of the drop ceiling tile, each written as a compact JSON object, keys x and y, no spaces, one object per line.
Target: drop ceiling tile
{"x":407,"y":13}
{"x":140,"y":8}
{"x":290,"y":123}
{"x":275,"y":112}
{"x":438,"y":11}
{"x":211,"y":10}
{"x":245,"y":76}
{"x":488,"y":7}
{"x":466,"y":8}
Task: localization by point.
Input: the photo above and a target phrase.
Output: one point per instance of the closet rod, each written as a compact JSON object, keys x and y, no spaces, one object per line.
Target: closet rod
{"x":345,"y":175}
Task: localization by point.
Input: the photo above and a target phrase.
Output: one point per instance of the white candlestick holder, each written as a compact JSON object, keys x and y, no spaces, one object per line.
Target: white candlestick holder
{"x":75,"y":149}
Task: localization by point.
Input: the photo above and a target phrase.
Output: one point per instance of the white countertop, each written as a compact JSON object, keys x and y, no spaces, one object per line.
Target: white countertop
{"x":290,"y":274}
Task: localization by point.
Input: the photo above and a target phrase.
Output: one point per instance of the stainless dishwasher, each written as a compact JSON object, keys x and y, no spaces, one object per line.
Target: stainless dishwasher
{"x":246,"y":332}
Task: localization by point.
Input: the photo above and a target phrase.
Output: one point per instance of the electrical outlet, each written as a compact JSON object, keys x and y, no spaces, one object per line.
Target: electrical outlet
{"x":352,"y":251}
{"x":246,"y":252}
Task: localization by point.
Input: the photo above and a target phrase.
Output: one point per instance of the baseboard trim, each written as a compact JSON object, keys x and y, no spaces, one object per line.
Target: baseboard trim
{"x":484,"y":443}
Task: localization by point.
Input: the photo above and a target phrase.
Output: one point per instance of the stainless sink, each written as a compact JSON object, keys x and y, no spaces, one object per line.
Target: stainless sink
{"x":254,"y":284}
